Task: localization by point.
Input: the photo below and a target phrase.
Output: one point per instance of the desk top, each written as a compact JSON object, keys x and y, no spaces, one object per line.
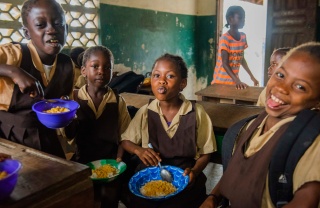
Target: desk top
{"x":42,"y":176}
{"x":222,"y":115}
{"x":230,"y":92}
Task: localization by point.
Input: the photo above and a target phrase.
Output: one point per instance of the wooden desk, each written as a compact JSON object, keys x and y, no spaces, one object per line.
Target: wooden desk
{"x":47,"y":181}
{"x":219,"y":93}
{"x":222,"y":115}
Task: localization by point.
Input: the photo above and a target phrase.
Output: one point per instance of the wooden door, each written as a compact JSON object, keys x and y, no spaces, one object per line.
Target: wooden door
{"x":289,"y":23}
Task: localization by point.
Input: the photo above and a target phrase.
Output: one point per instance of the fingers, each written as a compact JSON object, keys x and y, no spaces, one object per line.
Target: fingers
{"x":4,"y":156}
{"x":150,"y":157}
{"x":35,"y":90}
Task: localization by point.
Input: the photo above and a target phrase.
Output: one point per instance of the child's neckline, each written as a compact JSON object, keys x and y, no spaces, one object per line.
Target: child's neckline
{"x":234,"y":37}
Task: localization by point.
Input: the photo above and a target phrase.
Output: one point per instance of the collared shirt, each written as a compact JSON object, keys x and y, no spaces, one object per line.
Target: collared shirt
{"x":262,"y":98}
{"x":307,"y":169}
{"x":11,"y":54}
{"x":109,"y":97}
{"x":137,"y":131}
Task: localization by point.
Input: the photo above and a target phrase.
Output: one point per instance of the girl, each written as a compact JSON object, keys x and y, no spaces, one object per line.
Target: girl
{"x":180,"y":132}
{"x":275,"y":59}
{"x":293,"y":87}
{"x":231,"y":51}
{"x":101,"y":119}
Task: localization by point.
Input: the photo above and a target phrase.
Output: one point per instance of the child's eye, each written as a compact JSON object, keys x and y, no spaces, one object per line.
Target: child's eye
{"x":279,"y":74}
{"x":300,"y":87}
{"x":155,"y":75}
{"x":170,"y":76}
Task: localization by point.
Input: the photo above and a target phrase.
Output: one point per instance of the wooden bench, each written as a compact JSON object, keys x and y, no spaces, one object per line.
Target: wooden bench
{"x":222,"y":115}
{"x":219,"y":93}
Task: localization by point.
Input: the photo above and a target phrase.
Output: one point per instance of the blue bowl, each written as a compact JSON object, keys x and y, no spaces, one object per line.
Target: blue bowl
{"x":153,"y":173}
{"x":55,"y":120}
{"x":7,"y":184}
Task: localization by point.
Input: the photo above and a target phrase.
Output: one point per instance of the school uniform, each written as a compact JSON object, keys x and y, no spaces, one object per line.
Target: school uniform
{"x":256,"y":156}
{"x":262,"y":98}
{"x":99,"y":130}
{"x":180,"y":143}
{"x":18,"y":122}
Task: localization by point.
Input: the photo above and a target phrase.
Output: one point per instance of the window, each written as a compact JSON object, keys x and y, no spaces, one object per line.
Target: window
{"x":81,"y":16}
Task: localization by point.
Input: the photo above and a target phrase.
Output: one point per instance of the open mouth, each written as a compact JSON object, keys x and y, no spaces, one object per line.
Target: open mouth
{"x":162,"y":90}
{"x":53,"y":42}
{"x":274,"y":102}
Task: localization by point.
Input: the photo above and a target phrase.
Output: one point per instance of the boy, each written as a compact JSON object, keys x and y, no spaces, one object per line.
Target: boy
{"x":33,"y":71}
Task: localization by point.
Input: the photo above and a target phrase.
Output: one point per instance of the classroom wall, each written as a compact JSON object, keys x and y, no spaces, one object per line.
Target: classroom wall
{"x":139,"y":31}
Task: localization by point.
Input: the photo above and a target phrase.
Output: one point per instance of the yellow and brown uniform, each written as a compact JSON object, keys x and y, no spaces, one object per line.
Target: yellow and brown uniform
{"x":18,"y":122}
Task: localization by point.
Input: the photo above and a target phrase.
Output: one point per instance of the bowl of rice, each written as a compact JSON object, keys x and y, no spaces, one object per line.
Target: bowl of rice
{"x":9,"y":172}
{"x":148,"y":183}
{"x":56,"y":113}
{"x":106,"y":170}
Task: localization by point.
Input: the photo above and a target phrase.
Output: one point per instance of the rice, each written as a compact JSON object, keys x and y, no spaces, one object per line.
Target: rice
{"x":57,"y":109}
{"x":3,"y":174}
{"x":105,"y":171}
{"x":157,"y":188}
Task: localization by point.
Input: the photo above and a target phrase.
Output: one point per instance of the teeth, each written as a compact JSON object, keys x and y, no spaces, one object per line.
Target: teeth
{"x":274,"y":98}
{"x":53,"y":41}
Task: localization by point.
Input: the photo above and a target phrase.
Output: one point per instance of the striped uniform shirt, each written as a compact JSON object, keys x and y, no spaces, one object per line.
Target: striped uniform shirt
{"x":235,"y":50}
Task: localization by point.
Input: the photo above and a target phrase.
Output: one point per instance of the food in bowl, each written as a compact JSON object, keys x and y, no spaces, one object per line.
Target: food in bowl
{"x":57,"y":109}
{"x":105,"y":171}
{"x":3,"y":174}
{"x":157,"y":188}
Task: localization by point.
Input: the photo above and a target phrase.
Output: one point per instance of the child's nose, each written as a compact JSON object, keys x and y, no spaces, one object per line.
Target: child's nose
{"x":50,"y":30}
{"x":162,"y":81}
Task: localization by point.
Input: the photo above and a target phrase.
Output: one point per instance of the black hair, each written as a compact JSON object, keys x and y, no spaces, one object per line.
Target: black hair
{"x":178,"y":61}
{"x":89,"y":51}
{"x":312,"y":48}
{"x":80,"y":59}
{"x":75,"y":54}
{"x":28,"y":5}
{"x":232,"y":10}
{"x":282,"y":51}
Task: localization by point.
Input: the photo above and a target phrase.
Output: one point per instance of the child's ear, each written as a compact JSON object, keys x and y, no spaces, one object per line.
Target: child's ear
{"x":183,"y":84}
{"x":83,"y":71}
{"x":26,"y":33}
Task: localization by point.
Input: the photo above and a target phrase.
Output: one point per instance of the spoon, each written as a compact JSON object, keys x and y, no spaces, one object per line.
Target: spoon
{"x":165,"y":175}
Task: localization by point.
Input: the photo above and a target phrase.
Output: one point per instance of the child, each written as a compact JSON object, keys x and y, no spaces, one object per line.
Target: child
{"x":180,"y":132}
{"x":29,"y":72}
{"x":101,"y":119}
{"x":275,"y":59}
{"x":293,"y":87}
{"x":231,"y":51}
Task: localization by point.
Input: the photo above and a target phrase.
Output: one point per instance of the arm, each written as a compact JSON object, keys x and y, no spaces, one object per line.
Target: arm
{"x":26,"y":82}
{"x":246,"y":67}
{"x":146,"y":155}
{"x":307,"y":195}
{"x":193,"y":172}
{"x":214,"y":199}
{"x":226,"y":66}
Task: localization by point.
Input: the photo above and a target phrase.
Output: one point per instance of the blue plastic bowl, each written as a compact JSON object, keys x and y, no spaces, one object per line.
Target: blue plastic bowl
{"x":55,"y":120}
{"x":8,"y":183}
{"x":153,"y":173}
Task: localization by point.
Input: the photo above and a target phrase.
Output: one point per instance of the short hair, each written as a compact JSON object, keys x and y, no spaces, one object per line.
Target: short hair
{"x":177,"y":61}
{"x":311,"y":48}
{"x":75,"y":53}
{"x":28,"y":5}
{"x":89,"y":51}
{"x":281,"y":51}
{"x":232,"y":10}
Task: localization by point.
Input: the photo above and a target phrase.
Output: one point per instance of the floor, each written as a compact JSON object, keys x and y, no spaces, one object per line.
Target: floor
{"x":213,"y":172}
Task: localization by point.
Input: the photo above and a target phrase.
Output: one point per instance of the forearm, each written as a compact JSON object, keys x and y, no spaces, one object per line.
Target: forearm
{"x":7,"y":70}
{"x":120,"y":152}
{"x":246,"y":67}
{"x":130,"y":147}
{"x":229,"y":71}
{"x":201,"y":164}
